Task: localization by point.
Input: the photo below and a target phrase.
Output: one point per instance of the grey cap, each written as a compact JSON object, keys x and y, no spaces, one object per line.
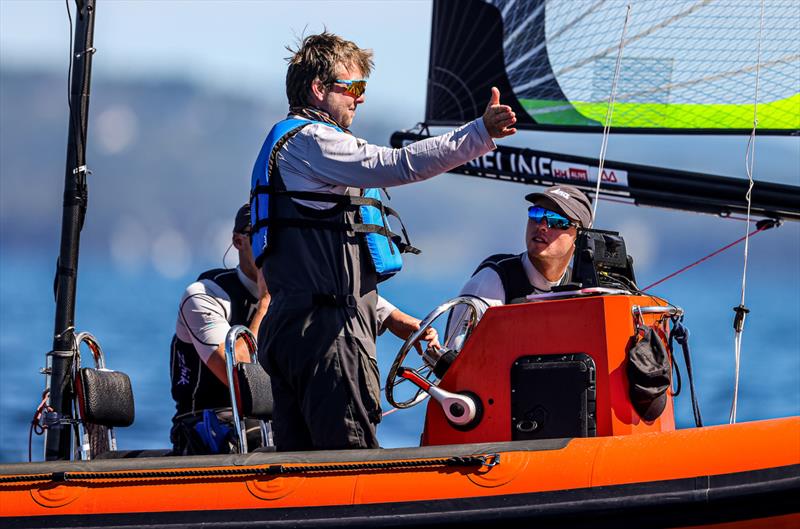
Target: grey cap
{"x":567,"y":200}
{"x":242,"y":222}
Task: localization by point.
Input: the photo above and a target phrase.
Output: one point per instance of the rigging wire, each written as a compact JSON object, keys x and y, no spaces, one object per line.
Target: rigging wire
{"x":71,"y":124}
{"x":610,"y":110}
{"x":38,"y":425}
{"x":749,"y":161}
{"x":761,"y":226}
{"x":225,"y":255}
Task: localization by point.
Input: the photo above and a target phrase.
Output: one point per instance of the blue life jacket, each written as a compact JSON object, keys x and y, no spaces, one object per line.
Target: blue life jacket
{"x":385,"y":248}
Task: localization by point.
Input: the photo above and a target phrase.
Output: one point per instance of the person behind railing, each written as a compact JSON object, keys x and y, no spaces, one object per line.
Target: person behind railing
{"x":553,"y":220}
{"x":209,"y":307}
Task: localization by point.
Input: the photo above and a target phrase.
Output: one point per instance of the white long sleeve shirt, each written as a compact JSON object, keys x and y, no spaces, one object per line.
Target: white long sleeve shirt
{"x":324,"y":160}
{"x":203,"y":314}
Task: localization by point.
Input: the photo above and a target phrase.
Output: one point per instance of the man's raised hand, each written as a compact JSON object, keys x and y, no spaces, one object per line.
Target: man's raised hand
{"x":499,"y":119}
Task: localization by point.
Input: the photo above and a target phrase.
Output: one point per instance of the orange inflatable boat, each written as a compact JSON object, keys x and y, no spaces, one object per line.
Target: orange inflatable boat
{"x":556,"y":412}
{"x":520,"y":380}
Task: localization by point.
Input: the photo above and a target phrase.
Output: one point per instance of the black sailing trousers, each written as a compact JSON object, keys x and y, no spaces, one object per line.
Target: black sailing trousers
{"x":325,"y":382}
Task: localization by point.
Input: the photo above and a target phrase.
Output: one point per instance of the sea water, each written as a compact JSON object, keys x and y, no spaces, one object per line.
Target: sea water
{"x":133,"y":317}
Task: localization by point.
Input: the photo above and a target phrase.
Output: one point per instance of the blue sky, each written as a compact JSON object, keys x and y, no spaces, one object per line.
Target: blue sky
{"x":239,"y":46}
{"x":233,"y":45}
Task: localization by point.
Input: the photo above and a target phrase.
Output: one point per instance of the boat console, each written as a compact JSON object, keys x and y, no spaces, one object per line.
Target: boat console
{"x":553,"y":367}
{"x":550,"y":369}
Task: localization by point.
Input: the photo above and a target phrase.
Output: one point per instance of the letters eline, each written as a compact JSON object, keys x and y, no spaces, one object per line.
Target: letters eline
{"x":518,"y":164}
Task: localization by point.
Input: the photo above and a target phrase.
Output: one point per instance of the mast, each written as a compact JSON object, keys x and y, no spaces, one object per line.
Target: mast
{"x":60,"y":365}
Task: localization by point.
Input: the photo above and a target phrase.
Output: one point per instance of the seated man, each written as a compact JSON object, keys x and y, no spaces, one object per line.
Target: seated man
{"x":219,"y":299}
{"x":553,"y":220}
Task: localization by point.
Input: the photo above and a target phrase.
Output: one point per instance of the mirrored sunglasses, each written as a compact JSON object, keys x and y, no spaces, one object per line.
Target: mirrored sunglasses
{"x":554,"y":220}
{"x":354,"y":87}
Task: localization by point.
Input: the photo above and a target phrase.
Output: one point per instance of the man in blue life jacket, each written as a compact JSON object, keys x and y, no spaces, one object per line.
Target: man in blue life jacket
{"x":323,"y":242}
{"x":220,"y":299}
{"x":553,"y":221}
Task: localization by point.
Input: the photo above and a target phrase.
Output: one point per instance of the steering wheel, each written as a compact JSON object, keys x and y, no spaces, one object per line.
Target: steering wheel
{"x":475,"y":308}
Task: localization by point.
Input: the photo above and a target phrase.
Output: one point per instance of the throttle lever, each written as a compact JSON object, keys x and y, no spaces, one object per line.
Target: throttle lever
{"x":460,"y":410}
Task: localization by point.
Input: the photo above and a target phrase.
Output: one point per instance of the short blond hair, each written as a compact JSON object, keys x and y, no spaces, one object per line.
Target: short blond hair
{"x":318,"y":57}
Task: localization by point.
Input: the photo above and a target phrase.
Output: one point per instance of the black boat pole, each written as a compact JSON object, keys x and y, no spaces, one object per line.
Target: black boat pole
{"x":59,"y":434}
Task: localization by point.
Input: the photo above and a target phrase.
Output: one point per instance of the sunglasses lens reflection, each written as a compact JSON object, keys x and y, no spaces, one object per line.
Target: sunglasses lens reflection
{"x":353,"y":87}
{"x":357,"y":88}
{"x":553,"y":219}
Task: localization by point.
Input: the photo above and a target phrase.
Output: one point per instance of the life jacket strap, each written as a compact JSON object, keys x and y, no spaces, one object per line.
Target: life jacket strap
{"x":273,"y":155}
{"x":314,"y":196}
{"x":338,"y":226}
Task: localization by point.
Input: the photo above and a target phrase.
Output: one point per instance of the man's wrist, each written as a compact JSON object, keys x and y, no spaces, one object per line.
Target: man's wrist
{"x":483,"y":132}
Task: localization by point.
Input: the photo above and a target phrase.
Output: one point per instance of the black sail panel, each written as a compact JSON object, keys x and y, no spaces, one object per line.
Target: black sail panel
{"x":465,"y":64}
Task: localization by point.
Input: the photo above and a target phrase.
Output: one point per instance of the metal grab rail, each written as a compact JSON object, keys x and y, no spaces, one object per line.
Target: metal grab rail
{"x":94,"y":347}
{"x":638,"y":313}
{"x":672,"y":310}
{"x":230,"y":354}
{"x":84,"y":445}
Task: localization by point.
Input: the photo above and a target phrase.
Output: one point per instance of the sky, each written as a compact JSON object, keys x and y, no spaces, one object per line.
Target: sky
{"x":238,"y":46}
{"x":233,"y":45}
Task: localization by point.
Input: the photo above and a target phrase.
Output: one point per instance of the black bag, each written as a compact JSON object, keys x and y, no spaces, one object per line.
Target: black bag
{"x":649,"y":375}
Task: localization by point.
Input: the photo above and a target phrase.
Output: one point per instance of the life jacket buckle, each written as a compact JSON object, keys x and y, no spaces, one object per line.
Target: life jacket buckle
{"x":335,"y":300}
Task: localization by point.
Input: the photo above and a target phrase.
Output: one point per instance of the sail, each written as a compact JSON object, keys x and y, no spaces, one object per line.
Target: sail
{"x":688,"y":66}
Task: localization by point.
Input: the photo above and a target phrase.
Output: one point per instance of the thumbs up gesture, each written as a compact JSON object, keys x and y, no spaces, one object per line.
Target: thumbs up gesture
{"x":498,"y":119}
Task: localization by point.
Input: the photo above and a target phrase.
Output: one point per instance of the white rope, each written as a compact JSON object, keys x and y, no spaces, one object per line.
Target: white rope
{"x":610,"y":111}
{"x":749,"y":162}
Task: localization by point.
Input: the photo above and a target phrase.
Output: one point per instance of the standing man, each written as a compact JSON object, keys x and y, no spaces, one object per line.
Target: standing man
{"x":218,"y":300}
{"x":314,"y":191}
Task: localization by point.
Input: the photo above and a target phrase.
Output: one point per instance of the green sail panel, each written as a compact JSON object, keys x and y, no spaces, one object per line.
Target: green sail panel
{"x":783,"y":114}
{"x":686,"y":65}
